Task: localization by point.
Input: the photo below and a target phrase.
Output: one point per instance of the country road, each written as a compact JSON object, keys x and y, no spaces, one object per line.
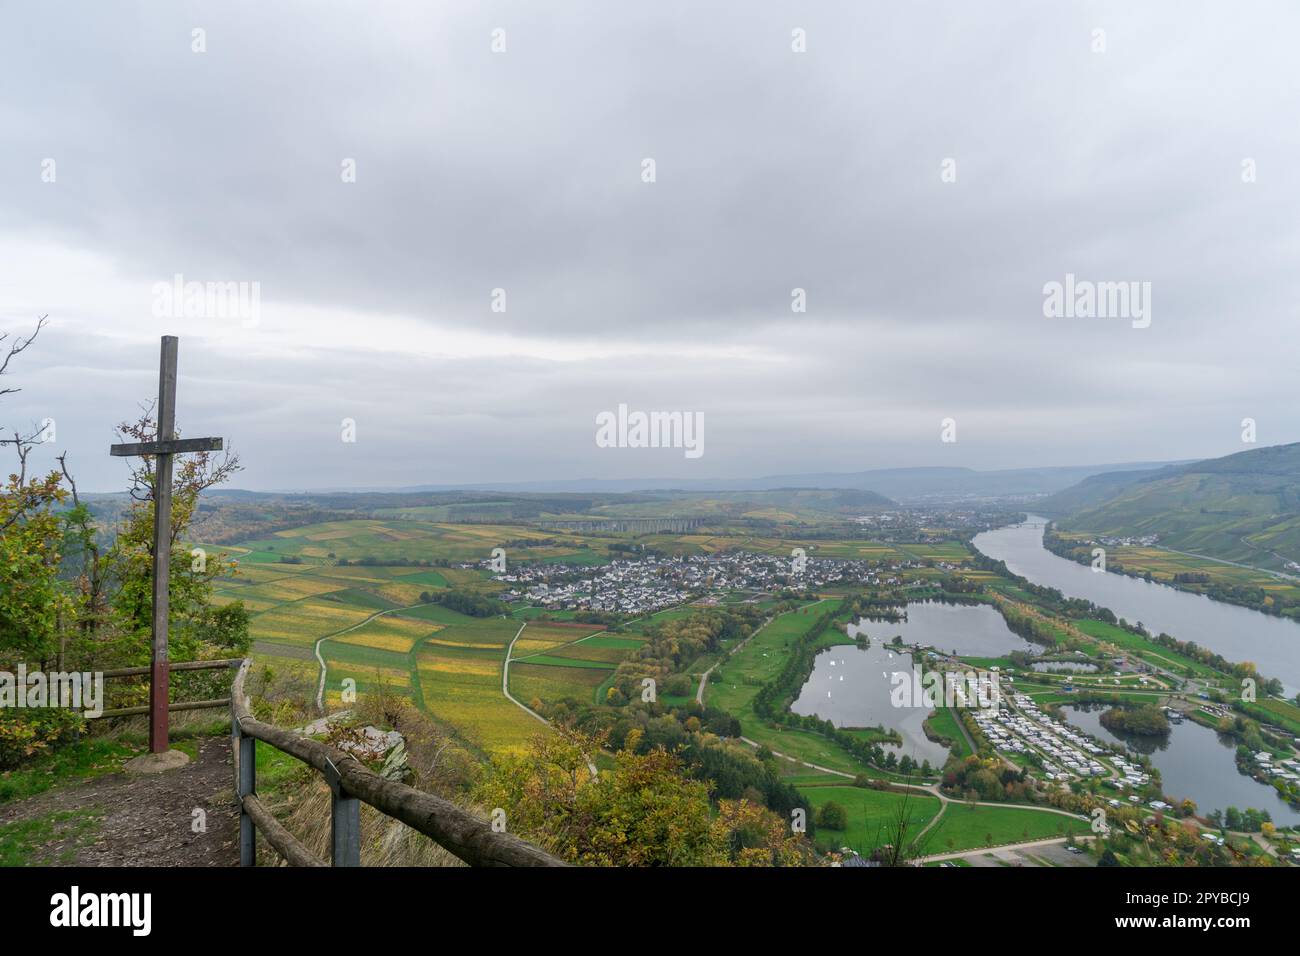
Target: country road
{"x":505,"y":679}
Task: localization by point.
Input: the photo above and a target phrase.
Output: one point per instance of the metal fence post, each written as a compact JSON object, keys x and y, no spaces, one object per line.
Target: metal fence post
{"x":345,"y":822}
{"x":245,"y":748}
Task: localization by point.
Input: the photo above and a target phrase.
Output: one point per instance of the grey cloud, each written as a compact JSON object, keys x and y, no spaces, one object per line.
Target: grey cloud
{"x":775,"y":170}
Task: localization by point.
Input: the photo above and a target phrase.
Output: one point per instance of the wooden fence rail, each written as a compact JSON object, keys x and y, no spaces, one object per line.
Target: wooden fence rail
{"x":179,"y":666}
{"x":351,"y":783}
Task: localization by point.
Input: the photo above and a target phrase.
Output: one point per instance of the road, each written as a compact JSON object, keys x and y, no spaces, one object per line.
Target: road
{"x":505,"y":680}
{"x":980,"y":851}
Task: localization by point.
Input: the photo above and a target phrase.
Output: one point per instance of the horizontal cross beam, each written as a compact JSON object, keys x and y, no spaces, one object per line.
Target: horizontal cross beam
{"x":176,"y":446}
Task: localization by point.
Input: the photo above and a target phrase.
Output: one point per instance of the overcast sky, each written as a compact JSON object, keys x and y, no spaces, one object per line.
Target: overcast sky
{"x":1119,"y":155}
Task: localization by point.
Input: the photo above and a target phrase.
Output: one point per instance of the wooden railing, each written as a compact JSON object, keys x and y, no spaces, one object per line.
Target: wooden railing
{"x":351,"y":783}
{"x":180,"y":666}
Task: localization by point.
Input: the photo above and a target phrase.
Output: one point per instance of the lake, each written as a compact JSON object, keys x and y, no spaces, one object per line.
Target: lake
{"x":1238,"y":633}
{"x":967,"y":630}
{"x":1195,"y":762}
{"x":850,"y":686}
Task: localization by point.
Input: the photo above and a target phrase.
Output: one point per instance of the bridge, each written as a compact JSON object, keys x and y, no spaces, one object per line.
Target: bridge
{"x":634,"y":525}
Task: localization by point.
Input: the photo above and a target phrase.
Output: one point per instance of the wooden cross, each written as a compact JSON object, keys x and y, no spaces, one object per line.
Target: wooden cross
{"x":163,"y":448}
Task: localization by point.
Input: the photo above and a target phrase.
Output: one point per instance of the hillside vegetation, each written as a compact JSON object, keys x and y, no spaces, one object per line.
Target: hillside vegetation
{"x":1243,"y":507}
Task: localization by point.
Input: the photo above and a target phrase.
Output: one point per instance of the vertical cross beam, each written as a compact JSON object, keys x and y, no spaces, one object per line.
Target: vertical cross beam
{"x":159,"y":674}
{"x":164,"y":446}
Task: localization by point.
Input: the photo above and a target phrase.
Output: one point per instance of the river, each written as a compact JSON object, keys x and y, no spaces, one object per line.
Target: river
{"x":1238,"y":633}
{"x":1195,"y":761}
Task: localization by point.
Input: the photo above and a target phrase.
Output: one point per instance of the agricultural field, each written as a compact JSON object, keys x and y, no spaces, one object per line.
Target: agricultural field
{"x":369,"y":621}
{"x":370,"y":624}
{"x":1163,"y":565}
{"x":458,"y":669}
{"x":397,"y":539}
{"x":553,"y":660}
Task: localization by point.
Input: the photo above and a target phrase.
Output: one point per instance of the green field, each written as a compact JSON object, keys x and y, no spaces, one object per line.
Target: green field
{"x":554,"y":660}
{"x":1132,"y":643}
{"x":966,"y":828}
{"x":944,"y":722}
{"x":872,"y":815}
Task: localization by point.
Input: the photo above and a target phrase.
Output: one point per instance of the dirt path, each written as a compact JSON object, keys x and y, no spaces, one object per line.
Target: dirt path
{"x":147,"y":820}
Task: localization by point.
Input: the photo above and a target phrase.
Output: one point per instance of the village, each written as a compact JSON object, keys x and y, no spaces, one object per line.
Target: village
{"x":650,"y":584}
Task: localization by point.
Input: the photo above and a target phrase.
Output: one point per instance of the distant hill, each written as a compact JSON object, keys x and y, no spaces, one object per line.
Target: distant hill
{"x":229,"y":516}
{"x":1093,"y":491}
{"x":903,"y":485}
{"x":1243,"y":507}
{"x":916,"y":485}
{"x":778,"y":504}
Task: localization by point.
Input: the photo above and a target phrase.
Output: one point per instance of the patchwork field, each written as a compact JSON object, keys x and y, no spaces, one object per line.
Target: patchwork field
{"x":398,"y":539}
{"x":553,"y":660}
{"x":372,"y":627}
{"x":460,"y":680}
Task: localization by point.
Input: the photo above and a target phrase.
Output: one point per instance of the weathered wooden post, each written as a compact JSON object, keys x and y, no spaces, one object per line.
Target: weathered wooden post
{"x":245,"y":750}
{"x":164,"y":446}
{"x":345,"y":821}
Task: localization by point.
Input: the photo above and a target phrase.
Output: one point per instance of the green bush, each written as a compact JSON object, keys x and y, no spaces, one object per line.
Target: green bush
{"x":25,"y":734}
{"x":832,"y":816}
